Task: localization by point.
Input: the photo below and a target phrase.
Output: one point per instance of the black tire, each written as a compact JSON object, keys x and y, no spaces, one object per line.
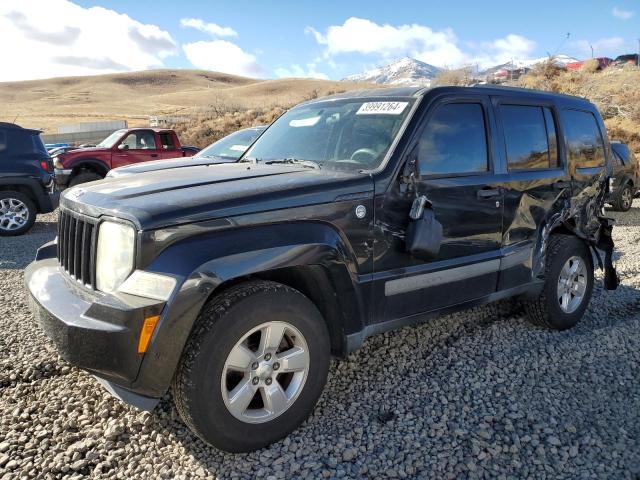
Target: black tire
{"x":545,"y":310}
{"x":6,"y":229}
{"x":624,"y":199}
{"x":223,"y":321}
{"x":84,"y":177}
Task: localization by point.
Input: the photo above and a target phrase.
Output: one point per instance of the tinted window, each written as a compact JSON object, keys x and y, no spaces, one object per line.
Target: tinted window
{"x":525,"y":137}
{"x":167,"y":141}
{"x":21,"y":142}
{"x":454,"y":141}
{"x":584,"y":140}
{"x":617,"y":160}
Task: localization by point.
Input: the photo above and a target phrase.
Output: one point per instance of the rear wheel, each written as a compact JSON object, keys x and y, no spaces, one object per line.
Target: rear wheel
{"x":254,"y":367}
{"x":624,"y":199}
{"x":84,"y":177}
{"x":568,"y":284}
{"x":17,"y":213}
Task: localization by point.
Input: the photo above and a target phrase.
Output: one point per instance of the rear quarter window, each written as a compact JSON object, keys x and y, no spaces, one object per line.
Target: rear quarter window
{"x":584,"y":140}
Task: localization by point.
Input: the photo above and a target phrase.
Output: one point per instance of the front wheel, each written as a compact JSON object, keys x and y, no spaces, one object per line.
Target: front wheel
{"x":84,"y":177}
{"x":254,"y":366}
{"x":568,"y":284}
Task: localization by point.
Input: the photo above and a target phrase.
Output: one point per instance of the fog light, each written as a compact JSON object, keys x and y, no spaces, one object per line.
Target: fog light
{"x":149,"y":285}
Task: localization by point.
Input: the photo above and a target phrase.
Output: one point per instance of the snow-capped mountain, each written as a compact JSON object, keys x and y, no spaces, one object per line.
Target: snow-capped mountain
{"x":411,"y":72}
{"x":404,"y":72}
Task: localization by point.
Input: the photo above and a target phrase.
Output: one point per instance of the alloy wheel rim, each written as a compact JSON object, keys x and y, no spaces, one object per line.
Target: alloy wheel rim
{"x":14,"y":214}
{"x":626,"y":198}
{"x":572,"y":284}
{"x":265,"y":372}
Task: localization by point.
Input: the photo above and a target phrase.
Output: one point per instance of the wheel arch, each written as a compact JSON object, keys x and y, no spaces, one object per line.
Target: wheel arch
{"x":308,"y":256}
{"x":90,"y":164}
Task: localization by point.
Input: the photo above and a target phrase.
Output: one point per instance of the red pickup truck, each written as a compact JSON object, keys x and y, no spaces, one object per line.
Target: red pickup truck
{"x":122,"y":147}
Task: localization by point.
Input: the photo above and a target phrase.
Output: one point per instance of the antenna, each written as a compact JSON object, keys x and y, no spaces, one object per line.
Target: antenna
{"x":14,"y":120}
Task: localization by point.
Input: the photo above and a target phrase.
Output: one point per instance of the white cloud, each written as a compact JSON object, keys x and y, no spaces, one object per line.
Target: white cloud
{"x":222,"y":56}
{"x":296,"y":71}
{"x":622,"y":14}
{"x":604,"y":46}
{"x":503,"y":50}
{"x":359,"y":35}
{"x":439,"y":48}
{"x":60,"y":38}
{"x":211,"y":28}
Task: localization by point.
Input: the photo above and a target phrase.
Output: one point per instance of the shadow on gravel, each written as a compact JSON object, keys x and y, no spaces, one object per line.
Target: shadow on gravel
{"x":18,"y":252}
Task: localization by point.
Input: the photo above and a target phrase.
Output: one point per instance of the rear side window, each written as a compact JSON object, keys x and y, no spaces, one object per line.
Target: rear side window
{"x":530,"y":137}
{"x":21,"y":142}
{"x":454,"y":141}
{"x":167,"y":141}
{"x":584,"y":140}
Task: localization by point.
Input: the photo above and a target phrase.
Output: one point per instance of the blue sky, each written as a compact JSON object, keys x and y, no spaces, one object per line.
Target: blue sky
{"x":329,"y":39}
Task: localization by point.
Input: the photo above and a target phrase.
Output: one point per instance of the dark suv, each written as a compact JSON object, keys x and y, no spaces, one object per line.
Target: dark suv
{"x":351,"y":215}
{"x":624,"y":179}
{"x":26,"y":179}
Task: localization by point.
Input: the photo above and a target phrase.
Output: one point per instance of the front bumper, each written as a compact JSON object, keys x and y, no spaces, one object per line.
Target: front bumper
{"x":92,"y":330}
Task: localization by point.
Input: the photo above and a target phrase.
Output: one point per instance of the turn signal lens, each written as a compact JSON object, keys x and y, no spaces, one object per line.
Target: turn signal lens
{"x":146,"y":332}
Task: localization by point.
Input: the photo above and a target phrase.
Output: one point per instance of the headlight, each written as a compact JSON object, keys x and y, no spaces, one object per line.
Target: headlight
{"x":114,"y":258}
{"x":57,"y":163}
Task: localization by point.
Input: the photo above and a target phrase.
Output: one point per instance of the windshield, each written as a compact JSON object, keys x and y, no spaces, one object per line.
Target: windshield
{"x":232,"y":146}
{"x":345,"y":134}
{"x":111,"y":140}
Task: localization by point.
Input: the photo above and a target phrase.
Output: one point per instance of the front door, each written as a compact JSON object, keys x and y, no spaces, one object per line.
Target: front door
{"x":454,"y":149}
{"x":138,"y":146}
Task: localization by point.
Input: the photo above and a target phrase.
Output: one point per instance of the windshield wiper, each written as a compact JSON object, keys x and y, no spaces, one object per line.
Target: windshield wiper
{"x":295,"y":161}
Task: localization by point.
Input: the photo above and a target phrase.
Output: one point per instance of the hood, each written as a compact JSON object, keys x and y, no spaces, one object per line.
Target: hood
{"x":153,"y":165}
{"x":163,"y":198}
{"x":77,"y":152}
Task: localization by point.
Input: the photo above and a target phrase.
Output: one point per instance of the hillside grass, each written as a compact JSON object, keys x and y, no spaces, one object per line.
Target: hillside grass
{"x":200,"y":95}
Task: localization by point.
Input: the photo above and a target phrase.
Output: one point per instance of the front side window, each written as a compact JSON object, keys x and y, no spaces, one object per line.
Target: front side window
{"x":454,"y":141}
{"x":140,"y":140}
{"x":584,"y":140}
{"x":530,"y":137}
{"x":343,"y":134}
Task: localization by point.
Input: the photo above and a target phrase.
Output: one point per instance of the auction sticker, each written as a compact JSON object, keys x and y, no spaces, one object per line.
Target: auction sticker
{"x":382,"y":108}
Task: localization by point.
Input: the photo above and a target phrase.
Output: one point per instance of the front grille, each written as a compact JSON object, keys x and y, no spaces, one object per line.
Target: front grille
{"x":77,"y":240}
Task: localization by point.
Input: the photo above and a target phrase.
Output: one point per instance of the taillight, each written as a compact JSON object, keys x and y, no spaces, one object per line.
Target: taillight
{"x":46,"y":165}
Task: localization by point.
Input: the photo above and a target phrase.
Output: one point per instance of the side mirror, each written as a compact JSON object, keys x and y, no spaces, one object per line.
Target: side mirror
{"x":122,"y":146}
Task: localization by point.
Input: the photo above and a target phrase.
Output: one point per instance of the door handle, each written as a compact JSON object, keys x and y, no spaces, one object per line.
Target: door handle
{"x":154,"y":155}
{"x":489,"y":193}
{"x":561,"y":185}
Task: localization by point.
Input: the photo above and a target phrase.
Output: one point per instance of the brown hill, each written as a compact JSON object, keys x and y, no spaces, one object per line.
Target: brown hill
{"x":47,"y":104}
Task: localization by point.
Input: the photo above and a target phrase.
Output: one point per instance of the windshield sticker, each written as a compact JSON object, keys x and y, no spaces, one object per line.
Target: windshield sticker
{"x":304,"y":122}
{"x":382,"y":108}
{"x":238,"y":148}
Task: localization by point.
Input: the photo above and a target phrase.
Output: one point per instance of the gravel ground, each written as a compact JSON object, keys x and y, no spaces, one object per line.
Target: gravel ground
{"x":481,"y":393}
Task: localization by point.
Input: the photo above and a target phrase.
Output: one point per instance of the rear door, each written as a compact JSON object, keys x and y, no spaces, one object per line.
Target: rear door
{"x":455,"y":149}
{"x":536,"y":182}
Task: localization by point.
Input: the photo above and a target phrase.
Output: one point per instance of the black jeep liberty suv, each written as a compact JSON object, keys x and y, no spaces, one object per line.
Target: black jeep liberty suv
{"x":351,"y":215}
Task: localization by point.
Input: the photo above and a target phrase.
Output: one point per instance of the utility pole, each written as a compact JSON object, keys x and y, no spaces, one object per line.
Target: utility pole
{"x":591,"y":50}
